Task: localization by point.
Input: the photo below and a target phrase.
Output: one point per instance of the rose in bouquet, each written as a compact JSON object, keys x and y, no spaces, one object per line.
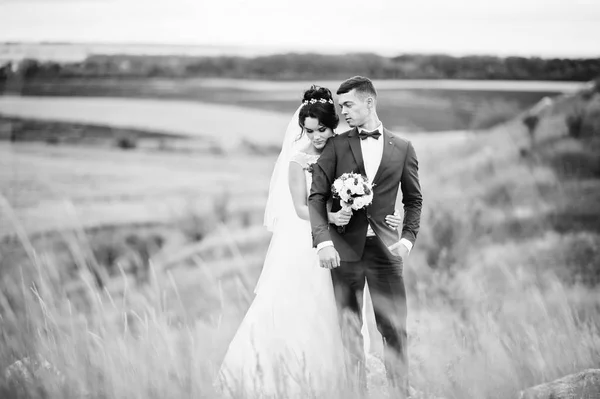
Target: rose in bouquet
{"x":354,"y":191}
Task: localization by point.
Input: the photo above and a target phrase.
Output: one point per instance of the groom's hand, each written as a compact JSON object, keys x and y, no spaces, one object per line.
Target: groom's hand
{"x":340,"y":218}
{"x":329,"y":257}
{"x":400,"y":250}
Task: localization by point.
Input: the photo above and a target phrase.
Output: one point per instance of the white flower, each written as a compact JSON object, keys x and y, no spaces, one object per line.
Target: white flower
{"x":338,"y":185}
{"x":360,"y":189}
{"x":351,"y":187}
{"x":345,"y":188}
{"x":314,"y":101}
{"x":345,"y":196}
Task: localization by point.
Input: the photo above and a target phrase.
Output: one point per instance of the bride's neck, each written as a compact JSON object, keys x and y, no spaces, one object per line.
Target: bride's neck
{"x":311,"y":150}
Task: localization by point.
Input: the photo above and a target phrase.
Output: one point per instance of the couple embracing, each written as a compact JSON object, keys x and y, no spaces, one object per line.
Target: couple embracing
{"x":301,"y":335}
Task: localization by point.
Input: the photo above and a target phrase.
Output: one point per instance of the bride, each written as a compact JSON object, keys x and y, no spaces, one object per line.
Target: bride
{"x":289,"y":342}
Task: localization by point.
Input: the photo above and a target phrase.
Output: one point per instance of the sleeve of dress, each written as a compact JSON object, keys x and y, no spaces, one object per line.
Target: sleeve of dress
{"x":299,"y":158}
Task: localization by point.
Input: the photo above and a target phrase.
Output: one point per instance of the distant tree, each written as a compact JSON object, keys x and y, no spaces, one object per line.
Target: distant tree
{"x":310,"y":66}
{"x":28,"y":68}
{"x":574,"y":122}
{"x":5,"y":71}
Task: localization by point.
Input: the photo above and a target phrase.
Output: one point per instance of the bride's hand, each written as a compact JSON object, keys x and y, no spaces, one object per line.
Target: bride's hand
{"x":393,"y":221}
{"x":339,"y":218}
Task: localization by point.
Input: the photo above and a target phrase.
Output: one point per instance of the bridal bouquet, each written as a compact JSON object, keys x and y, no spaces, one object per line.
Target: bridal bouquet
{"x":354,"y":191}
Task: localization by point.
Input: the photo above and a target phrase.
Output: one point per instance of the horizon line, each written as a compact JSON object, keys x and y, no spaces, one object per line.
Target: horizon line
{"x":280,"y":49}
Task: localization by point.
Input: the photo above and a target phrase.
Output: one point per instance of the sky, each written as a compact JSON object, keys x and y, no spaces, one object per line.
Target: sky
{"x":547,"y":28}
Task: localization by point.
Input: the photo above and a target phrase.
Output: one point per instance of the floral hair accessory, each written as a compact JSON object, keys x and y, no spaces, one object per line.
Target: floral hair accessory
{"x":320,"y":100}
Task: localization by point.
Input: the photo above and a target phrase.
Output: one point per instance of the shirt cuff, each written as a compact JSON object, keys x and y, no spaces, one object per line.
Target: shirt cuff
{"x":324,"y":244}
{"x":406,"y":243}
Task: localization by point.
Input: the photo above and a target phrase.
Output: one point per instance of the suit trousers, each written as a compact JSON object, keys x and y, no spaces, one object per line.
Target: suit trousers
{"x":383,"y":271}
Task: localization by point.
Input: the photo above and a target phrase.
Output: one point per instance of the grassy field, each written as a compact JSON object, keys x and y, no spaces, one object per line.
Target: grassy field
{"x":116,"y":187}
{"x":129,"y":271}
{"x":404,"y":105}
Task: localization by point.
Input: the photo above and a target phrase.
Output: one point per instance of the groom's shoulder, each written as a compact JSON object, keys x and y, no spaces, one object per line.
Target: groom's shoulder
{"x":338,"y":137}
{"x":404,"y":144}
{"x":398,"y":138}
{"x":343,"y":134}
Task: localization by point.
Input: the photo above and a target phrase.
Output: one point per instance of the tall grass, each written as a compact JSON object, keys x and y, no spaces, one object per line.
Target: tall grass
{"x":498,"y":302}
{"x":128,"y":346}
{"x":488,"y":330}
{"x":501,"y":324}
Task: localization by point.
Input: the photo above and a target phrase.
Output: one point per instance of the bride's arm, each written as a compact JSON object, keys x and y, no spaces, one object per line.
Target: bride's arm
{"x":297,"y":182}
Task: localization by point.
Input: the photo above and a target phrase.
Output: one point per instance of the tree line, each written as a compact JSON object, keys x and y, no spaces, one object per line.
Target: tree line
{"x":294,"y":66}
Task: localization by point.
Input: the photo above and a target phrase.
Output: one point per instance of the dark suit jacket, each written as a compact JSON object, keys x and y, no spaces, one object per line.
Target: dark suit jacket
{"x":398,"y":168}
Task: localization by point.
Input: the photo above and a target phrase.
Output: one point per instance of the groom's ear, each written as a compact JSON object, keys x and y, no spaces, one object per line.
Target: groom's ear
{"x":370,"y":102}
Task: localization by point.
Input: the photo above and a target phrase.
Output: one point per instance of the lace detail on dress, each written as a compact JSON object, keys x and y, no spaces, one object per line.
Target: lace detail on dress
{"x":304,"y":159}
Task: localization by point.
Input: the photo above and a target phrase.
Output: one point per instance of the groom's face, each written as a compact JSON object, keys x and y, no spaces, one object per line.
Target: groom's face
{"x":355,"y":107}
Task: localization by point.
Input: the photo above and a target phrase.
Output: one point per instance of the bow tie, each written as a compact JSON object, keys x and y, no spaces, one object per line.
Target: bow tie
{"x":374,"y":134}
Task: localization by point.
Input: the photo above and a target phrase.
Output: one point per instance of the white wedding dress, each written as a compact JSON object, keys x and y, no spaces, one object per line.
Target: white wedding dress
{"x":289,"y":343}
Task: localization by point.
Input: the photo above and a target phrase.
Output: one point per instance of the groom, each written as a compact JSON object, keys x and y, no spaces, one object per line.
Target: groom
{"x":368,"y":249}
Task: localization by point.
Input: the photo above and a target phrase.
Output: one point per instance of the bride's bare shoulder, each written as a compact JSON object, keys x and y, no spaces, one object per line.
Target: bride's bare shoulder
{"x":299,"y":157}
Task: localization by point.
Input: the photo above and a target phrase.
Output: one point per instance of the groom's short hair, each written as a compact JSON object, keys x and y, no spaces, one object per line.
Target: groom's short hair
{"x":360,"y":83}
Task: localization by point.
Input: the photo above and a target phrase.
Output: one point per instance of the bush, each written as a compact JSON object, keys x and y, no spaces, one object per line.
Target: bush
{"x":53,"y":140}
{"x":583,"y":259}
{"x":195,"y":226}
{"x":576,"y":164}
{"x":127,"y":142}
{"x":197,"y":222}
{"x":107,"y":252}
{"x":531,"y":121}
{"x":590,"y":125}
{"x":591,"y":90}
{"x":449,"y":234}
{"x":130,"y":254}
{"x":574,"y":122}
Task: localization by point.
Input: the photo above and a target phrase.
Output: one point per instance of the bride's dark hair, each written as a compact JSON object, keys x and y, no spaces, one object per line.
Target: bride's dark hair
{"x":322,"y":108}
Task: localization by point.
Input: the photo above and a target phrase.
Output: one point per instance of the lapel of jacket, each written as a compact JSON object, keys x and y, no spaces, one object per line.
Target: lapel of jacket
{"x":354,"y":142}
{"x":388,"y":148}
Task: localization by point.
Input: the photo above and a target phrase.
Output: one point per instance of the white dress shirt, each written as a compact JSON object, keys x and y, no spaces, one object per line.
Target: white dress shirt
{"x":372,"y":152}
